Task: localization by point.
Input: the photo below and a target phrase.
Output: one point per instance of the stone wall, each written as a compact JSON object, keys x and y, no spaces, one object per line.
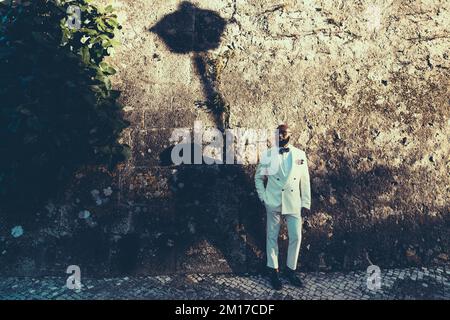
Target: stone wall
{"x":364,"y":86}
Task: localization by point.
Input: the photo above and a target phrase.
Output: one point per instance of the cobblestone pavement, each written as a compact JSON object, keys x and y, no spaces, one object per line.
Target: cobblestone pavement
{"x":411,"y":283}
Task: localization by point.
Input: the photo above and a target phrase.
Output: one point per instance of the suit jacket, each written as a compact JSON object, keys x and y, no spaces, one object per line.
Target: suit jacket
{"x":289,"y":189}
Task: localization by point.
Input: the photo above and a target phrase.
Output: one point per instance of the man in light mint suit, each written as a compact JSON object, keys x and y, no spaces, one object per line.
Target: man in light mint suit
{"x":287,"y":192}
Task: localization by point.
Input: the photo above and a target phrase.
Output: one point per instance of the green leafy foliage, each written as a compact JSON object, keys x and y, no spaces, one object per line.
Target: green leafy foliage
{"x":58,"y":111}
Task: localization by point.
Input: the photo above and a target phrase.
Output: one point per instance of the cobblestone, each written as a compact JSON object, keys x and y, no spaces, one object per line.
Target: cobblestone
{"x":410,"y":283}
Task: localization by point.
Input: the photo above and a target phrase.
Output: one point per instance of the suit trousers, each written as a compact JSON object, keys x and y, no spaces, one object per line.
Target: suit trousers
{"x":294,"y":226}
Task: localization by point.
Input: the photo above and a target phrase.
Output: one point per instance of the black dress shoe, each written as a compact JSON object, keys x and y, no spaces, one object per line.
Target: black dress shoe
{"x":293,"y":278}
{"x":275,"y":280}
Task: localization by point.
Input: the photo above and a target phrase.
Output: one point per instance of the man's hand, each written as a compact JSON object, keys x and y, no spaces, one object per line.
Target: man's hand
{"x":306,"y":212}
{"x":306,"y":224}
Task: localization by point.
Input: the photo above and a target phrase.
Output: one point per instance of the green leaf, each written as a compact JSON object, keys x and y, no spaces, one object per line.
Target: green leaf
{"x":88,"y":31}
{"x":85,"y":55}
{"x":109,"y":9}
{"x":113,"y":23}
{"x":108,"y":84}
{"x":107,"y":69}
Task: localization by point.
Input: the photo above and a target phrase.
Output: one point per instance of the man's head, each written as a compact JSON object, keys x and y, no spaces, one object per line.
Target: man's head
{"x":284,"y":134}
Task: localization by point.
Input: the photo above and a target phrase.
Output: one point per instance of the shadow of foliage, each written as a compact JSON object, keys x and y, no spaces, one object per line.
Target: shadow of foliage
{"x":58,"y":111}
{"x":192,"y":30}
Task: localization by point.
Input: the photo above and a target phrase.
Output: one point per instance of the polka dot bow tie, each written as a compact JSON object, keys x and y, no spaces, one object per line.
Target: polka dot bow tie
{"x":283,"y":150}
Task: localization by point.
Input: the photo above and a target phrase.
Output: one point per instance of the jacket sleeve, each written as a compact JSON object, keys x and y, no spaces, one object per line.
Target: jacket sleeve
{"x":305,"y":185}
{"x":259,"y":181}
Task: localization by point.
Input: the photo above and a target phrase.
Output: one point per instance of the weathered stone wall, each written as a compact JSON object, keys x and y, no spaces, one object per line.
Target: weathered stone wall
{"x":363,"y":84}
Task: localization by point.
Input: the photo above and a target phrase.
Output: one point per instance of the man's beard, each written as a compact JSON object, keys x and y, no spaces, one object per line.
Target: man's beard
{"x":283,"y":142}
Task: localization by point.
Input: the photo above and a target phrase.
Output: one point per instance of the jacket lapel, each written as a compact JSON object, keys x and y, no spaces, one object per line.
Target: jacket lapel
{"x":291,"y":158}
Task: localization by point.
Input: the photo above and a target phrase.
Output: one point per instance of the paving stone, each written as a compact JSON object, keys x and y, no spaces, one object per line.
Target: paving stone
{"x":397,"y":284}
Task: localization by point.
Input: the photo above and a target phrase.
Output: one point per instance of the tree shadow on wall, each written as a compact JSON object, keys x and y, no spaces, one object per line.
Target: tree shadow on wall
{"x":217,"y":203}
{"x":54,"y":117}
{"x":205,"y":204}
{"x":194,"y":31}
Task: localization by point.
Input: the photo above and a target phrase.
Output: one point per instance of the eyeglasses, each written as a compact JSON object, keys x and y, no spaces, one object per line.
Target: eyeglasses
{"x":284,"y":132}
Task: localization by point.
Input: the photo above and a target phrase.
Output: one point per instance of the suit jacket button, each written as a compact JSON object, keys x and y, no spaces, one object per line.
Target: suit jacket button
{"x":282,"y":189}
{"x":295,"y":178}
{"x":278,"y":178}
{"x":292,"y":190}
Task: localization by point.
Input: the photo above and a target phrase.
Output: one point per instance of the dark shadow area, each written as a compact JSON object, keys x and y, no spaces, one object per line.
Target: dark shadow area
{"x":194,"y":30}
{"x":217,"y":203}
{"x":351,"y":232}
{"x":127,"y":258}
{"x":56,"y":116}
{"x":201,"y":191}
{"x":190,"y":29}
{"x":426,"y":289}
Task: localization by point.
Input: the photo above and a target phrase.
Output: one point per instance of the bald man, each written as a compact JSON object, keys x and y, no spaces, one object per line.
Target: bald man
{"x":287,"y":192}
